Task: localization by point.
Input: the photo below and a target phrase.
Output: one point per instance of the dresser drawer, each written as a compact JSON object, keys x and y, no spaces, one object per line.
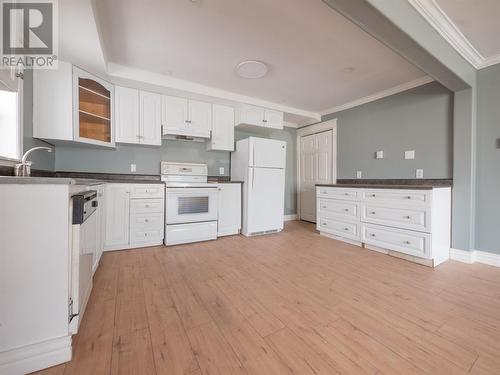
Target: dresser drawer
{"x":337,"y":193}
{"x":406,"y":218}
{"x":146,"y":220}
{"x":412,"y":243}
{"x":399,"y":197}
{"x":146,"y":205}
{"x":333,"y":207}
{"x":338,"y":228}
{"x":147,"y":191}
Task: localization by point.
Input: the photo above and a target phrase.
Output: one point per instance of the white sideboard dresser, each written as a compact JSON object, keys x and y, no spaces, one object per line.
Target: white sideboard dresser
{"x":410,"y":222}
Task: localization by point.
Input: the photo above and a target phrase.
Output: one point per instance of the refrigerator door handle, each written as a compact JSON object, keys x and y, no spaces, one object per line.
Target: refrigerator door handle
{"x":253,"y":177}
{"x":253,"y":156}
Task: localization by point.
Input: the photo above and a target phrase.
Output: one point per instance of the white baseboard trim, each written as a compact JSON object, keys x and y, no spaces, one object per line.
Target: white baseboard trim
{"x":474,"y":256}
{"x":291,"y":217}
{"x":36,"y":357}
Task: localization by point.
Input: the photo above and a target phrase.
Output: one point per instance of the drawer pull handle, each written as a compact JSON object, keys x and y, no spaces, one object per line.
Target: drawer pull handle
{"x":408,"y":197}
{"x":324,"y":224}
{"x":147,"y":206}
{"x":346,"y":229}
{"x":407,"y":217}
{"x":373,"y":195}
{"x":346,"y":193}
{"x":146,"y":220}
{"x":324,"y":192}
{"x":372,"y":213}
{"x":323,"y":206}
{"x":407,"y":242}
{"x":372,"y":234}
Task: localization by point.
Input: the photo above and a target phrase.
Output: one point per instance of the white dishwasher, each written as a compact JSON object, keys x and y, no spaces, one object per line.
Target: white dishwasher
{"x":83,"y":251}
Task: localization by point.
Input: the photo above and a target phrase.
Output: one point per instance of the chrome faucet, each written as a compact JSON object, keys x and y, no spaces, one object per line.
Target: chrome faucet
{"x":24,"y":167}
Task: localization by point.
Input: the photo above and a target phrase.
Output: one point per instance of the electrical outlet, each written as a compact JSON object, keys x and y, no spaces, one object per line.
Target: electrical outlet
{"x":359,"y":174}
{"x":419,"y":173}
{"x":379,"y":155}
{"x":221,"y":171}
{"x":409,"y":154}
{"x":133,"y":168}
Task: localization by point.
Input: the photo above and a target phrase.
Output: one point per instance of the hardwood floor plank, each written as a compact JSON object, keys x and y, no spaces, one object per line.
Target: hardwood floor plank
{"x":298,"y":356}
{"x":132,"y":354}
{"x":170,"y":344}
{"x":213,"y":353}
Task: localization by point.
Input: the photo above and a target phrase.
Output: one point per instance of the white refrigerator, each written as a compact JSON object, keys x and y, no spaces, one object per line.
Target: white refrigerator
{"x":260,"y":164}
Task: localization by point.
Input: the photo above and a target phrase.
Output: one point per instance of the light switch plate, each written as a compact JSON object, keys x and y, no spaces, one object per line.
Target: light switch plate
{"x":221,"y":171}
{"x":379,"y":155}
{"x":419,"y":173}
{"x":133,"y":168}
{"x":359,"y":174}
{"x":409,"y":154}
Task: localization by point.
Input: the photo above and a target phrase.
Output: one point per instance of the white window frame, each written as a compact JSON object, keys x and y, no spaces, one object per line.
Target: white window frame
{"x":10,"y":162}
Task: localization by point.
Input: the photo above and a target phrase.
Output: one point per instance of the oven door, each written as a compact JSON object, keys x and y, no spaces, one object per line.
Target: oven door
{"x":191,"y":205}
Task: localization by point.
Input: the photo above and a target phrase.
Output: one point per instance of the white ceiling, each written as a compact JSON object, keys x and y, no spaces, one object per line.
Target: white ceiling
{"x":306,"y":44}
{"x":478,"y":20}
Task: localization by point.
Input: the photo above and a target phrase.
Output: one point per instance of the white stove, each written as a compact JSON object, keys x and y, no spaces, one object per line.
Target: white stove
{"x":191,"y":204}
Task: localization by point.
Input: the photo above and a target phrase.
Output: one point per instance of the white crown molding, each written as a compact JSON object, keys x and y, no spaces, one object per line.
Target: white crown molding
{"x":489,"y":61}
{"x":440,"y":21}
{"x":379,"y":95}
{"x":143,"y":76}
{"x":474,"y":256}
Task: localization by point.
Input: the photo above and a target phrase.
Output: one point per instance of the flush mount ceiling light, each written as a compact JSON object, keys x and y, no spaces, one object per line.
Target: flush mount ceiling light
{"x":251,"y":69}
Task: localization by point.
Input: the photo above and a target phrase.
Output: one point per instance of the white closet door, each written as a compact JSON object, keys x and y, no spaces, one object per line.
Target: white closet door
{"x":308,"y":178}
{"x":315,"y":168}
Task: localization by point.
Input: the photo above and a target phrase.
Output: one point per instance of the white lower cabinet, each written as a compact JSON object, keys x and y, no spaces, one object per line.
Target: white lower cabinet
{"x":229,"y":217}
{"x":411,"y":223}
{"x":134,"y":215}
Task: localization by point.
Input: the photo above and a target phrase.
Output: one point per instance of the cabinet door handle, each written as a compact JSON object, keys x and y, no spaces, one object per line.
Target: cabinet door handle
{"x":146,"y":220}
{"x":372,"y":234}
{"x":323,"y":206}
{"x":408,"y":197}
{"x":346,"y":193}
{"x":407,"y":217}
{"x":346,"y":209}
{"x":372,"y":213}
{"x":407,"y":242}
{"x":346,"y":229}
{"x":324,"y":224}
{"x":373,"y":195}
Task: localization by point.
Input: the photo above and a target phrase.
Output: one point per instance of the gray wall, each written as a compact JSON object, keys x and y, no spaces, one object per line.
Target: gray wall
{"x":290,"y":136}
{"x":487,"y":236}
{"x":420,"y":119}
{"x":147,"y":159}
{"x":41,"y":159}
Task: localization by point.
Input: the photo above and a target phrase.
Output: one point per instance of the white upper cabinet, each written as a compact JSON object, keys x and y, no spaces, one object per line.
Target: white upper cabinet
{"x":72,"y":105}
{"x":200,"y":118}
{"x":186,"y":117}
{"x":175,"y":114}
{"x":138,"y":116}
{"x":150,"y":118}
{"x":257,"y":116}
{"x":222,"y":128}
{"x":127,"y":115}
{"x":251,"y":115}
{"x":273,"y":119}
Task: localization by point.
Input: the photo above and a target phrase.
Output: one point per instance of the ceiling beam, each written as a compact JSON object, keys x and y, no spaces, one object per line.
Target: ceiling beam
{"x":399,"y":26}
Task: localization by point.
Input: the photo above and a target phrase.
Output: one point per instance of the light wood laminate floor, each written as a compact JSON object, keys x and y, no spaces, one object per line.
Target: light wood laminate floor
{"x":288,"y":303}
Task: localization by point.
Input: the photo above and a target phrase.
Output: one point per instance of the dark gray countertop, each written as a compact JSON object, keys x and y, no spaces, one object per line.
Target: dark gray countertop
{"x":382,"y":186}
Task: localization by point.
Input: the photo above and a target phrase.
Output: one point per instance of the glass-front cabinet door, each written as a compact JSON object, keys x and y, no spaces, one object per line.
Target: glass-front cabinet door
{"x":93,"y":107}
